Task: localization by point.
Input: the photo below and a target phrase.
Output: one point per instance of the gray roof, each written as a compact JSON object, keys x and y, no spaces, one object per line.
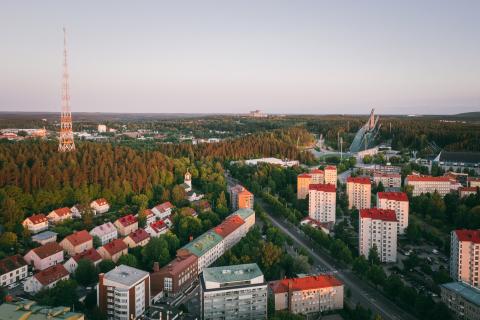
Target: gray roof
{"x":467,"y":292}
{"x":125,"y":275}
{"x":244,"y":213}
{"x":466,"y":157}
{"x":230,"y":274}
{"x":44,"y":236}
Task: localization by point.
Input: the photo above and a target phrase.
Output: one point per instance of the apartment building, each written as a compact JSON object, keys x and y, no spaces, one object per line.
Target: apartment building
{"x":230,"y":230}
{"x":398,"y":202}
{"x":241,"y":198}
{"x":378,"y":227}
{"x":388,"y":180}
{"x":330,"y":175}
{"x":473,"y":182}
{"x":322,"y":201}
{"x":208,"y":247}
{"x":123,"y":293}
{"x":233,"y":292}
{"x":310,"y":294}
{"x":12,"y":269}
{"x":428,"y":184}
{"x":318,"y":176}
{"x":303,"y":182}
{"x":45,"y":256}
{"x":462,"y":299}
{"x":175,"y":277}
{"x":359,"y":192}
{"x":36,"y":223}
{"x":467,"y":191}
{"x":464,"y":256}
{"x":105,"y":232}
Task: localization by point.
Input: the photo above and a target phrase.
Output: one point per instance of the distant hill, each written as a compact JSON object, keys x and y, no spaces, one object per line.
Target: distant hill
{"x":475,"y":114}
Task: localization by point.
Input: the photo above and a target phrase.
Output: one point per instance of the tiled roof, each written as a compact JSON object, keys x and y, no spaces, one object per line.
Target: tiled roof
{"x":362,"y":180}
{"x":427,"y":178}
{"x":378,"y":214}
{"x":330,"y":168}
{"x":63,"y":211}
{"x":317,"y":171}
{"x":37,"y":218}
{"x":115,"y":246}
{"x":101,"y":201}
{"x":127,"y":220}
{"x":11,"y":263}
{"x":200,"y":245}
{"x":79,"y":237}
{"x":228,"y":226}
{"x":103,"y":229}
{"x":304,"y":176}
{"x":148,"y":212}
{"x":397,"y":196}
{"x":323,"y":187}
{"x":90,"y":254}
{"x":179,"y":264}
{"x":139,"y":235}
{"x":158,"y":226}
{"x":306,"y":283}
{"x":51,"y":274}
{"x":164,"y":206}
{"x":47,"y":250}
{"x":468,"y":189}
{"x":468,"y":235}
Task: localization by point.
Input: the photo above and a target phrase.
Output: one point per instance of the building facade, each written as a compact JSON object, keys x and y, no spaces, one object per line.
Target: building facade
{"x":464,"y":256}
{"x":388,"y":180}
{"x":113,"y":250}
{"x":241,"y":198}
{"x":126,"y":224}
{"x":330,"y":175}
{"x":36,"y":223}
{"x":77,"y":242}
{"x":12,"y":269}
{"x":378,"y":227}
{"x":233,"y":292}
{"x":398,"y":202}
{"x":359,"y":192}
{"x":59,"y":215}
{"x":462,"y":299}
{"x":45,"y":256}
{"x":303,"y":182}
{"x":322,"y":202}
{"x":105,"y":232}
{"x":428,"y":184}
{"x":47,"y":278}
{"x":100,"y":206}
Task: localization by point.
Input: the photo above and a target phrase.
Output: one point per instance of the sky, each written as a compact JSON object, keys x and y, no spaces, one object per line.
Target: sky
{"x":310,"y":57}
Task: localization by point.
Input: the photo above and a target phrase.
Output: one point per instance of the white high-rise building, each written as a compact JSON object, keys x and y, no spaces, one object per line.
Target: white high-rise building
{"x":330,"y":175}
{"x":398,"y":202}
{"x":322,"y":202}
{"x":359,"y":192}
{"x":378,"y":227}
{"x":464,"y":256}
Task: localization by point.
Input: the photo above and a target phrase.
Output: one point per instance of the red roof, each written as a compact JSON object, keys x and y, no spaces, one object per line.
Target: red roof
{"x":305,"y":283}
{"x":52,"y":274}
{"x":378,"y":214}
{"x":127,"y":220}
{"x":139,"y":235}
{"x":115,"y":246}
{"x":90,"y":254}
{"x":164,"y":206}
{"x":473,"y":179}
{"x":304,"y":176}
{"x":316,"y":171}
{"x":468,"y":235}
{"x":158,"y":225}
{"x":323,"y":187}
{"x":148,"y":212}
{"x":101,"y":201}
{"x":428,"y":178}
{"x":245,"y":192}
{"x":362,"y":180}
{"x":37,"y":218}
{"x":468,"y":189}
{"x":228,"y":226}
{"x":396,"y":196}
{"x":63,"y":211}
{"x":47,"y":250}
{"x":11,"y":263}
{"x":79,"y":237}
{"x":330,"y":168}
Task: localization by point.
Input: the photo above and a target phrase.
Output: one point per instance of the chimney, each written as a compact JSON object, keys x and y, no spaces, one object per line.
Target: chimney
{"x":156,"y":267}
{"x":100,"y":278}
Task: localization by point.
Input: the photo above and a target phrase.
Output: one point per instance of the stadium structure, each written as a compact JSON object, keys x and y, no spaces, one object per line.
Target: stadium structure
{"x":367,"y":135}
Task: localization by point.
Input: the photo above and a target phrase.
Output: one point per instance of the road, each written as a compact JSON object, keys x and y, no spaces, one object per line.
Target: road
{"x":362,"y":293}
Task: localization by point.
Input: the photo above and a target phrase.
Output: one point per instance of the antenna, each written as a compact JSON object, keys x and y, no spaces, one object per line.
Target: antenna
{"x":66,"y":143}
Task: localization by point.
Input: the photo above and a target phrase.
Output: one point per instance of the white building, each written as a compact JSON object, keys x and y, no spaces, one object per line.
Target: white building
{"x":208,"y":248}
{"x":123,"y":293}
{"x":106,"y":232}
{"x":398,"y":202}
{"x":464,"y":256}
{"x":102,"y":128}
{"x":330,"y":175}
{"x":428,"y":184}
{"x":91,"y":254}
{"x":12,"y":269}
{"x":388,"y":180}
{"x":283,"y":163}
{"x":156,"y":229}
{"x":233,"y":292}
{"x":378,"y":227}
{"x":36,"y":223}
{"x":47,"y":278}
{"x":322,"y":202}
{"x":359,"y":192}
{"x":100,"y":206}
{"x":163,"y":210}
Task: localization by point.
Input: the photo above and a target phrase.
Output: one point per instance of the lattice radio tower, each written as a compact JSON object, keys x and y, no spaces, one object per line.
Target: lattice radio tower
{"x":66,"y":143}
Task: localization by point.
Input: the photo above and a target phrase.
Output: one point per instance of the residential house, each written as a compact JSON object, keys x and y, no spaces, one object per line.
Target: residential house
{"x":91,"y":254}
{"x":45,"y":237}
{"x":100,"y":206}
{"x":77,"y":242}
{"x":105,"y":232}
{"x":156,"y":228}
{"x":163,"y":210}
{"x":113,"y":250}
{"x":59,"y":215}
{"x":126,"y":224}
{"x":139,"y":237}
{"x":47,"y":278}
{"x":36,"y":223}
{"x":12,"y":269}
{"x":45,"y":256}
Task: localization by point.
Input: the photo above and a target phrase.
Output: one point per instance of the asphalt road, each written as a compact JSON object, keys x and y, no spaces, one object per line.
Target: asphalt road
{"x":361,"y":292}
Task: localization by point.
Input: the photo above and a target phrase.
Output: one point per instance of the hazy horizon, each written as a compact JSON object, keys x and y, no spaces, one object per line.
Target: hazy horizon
{"x":214,"y":57}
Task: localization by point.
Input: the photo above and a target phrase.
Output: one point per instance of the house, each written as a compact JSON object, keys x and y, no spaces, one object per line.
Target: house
{"x":193,"y":196}
{"x":113,"y":250}
{"x":36,"y":223}
{"x":105,"y":232}
{"x":77,"y":211}
{"x":91,"y":254}
{"x":47,"y":278}
{"x":156,"y":229}
{"x":163,"y":210}
{"x":139,"y":237}
{"x":77,"y":242}
{"x":126,"y":224}
{"x":168,"y":221}
{"x":100,"y":206}
{"x":59,"y":215}
{"x":45,"y":237}
{"x":202,"y":205}
{"x":149,"y":216}
{"x":12,"y":269}
{"x":45,"y":256}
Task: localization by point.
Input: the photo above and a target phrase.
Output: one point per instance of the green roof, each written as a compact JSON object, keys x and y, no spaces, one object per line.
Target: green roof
{"x":243,"y":213}
{"x":203,"y":243}
{"x":469,"y":293}
{"x":232,"y":274}
{"x":28,"y":310}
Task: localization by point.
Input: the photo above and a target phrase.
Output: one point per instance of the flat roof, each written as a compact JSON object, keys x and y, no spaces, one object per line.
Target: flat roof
{"x":203,"y":243}
{"x":469,"y":293}
{"x":236,"y":273}
{"x":125,"y":275}
{"x":44,"y":235}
